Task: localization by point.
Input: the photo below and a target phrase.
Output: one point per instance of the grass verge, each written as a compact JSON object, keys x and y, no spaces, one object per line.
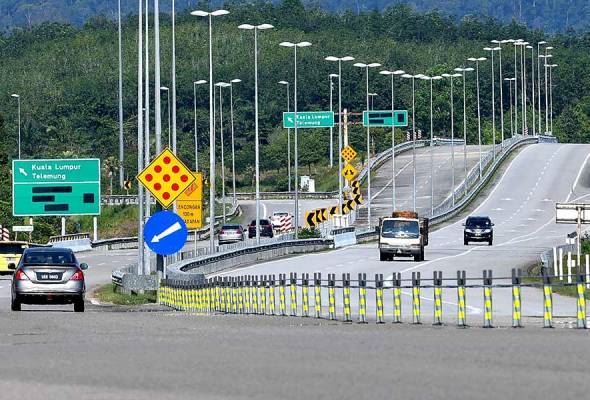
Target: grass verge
{"x":108,"y":294}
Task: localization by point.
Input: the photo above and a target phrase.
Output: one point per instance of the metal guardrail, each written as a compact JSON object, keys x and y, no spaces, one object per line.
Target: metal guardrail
{"x":334,"y":299}
{"x":73,"y":236}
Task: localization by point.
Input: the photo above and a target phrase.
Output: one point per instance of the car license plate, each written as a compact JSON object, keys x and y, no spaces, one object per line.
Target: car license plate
{"x":42,"y":276}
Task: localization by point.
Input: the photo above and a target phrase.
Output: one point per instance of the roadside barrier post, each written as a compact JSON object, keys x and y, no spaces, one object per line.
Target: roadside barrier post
{"x":217,"y":294}
{"x":397,"y":298}
{"x":305,"y":294}
{"x":262,"y":294}
{"x":487,"y":298}
{"x":282,"y":300}
{"x":379,"y":297}
{"x":317,"y":288}
{"x":416,"y":297}
{"x":293,"y":292}
{"x":272,"y":304}
{"x":461,"y":299}
{"x":226,"y":288}
{"x":516,"y":298}
{"x":346,"y":297}
{"x":362,"y":298}
{"x":194,"y":298}
{"x":332,"y":296}
{"x":581,"y":301}
{"x":560,"y":264}
{"x":234,"y":294}
{"x":547,"y":302}
{"x":241,"y":300}
{"x":569,"y":267}
{"x":437,"y":286}
{"x":255,"y":295}
{"x":247,"y":304}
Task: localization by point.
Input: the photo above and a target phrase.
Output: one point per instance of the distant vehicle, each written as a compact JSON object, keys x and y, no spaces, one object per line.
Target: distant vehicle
{"x":275,"y":218}
{"x":230,"y":233}
{"x":10,"y":252}
{"x":478,"y":229}
{"x":265,"y":229}
{"x":403,"y":234}
{"x":48,"y":276}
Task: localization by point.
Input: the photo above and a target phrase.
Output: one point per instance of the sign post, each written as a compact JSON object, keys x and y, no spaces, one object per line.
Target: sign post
{"x":58,"y":187}
{"x":573,"y":213}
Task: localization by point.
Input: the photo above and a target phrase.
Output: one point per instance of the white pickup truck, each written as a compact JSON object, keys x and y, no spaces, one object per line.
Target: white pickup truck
{"x":403,"y":234}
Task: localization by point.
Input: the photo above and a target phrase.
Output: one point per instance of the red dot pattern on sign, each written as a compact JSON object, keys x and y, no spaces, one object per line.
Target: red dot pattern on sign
{"x":149,"y":177}
{"x":158,"y":169}
{"x":166,"y":195}
{"x":176,"y":169}
{"x":166,"y":178}
{"x":167,"y":160}
{"x":157,"y":186}
{"x":184,"y":178}
{"x":175,"y":187}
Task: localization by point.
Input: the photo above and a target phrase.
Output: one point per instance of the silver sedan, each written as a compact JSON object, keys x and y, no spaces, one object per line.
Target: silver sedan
{"x":48,"y":275}
{"x":230,"y":233}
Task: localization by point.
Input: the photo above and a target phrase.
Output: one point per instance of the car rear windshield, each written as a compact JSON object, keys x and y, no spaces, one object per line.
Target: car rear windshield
{"x":49,"y":258}
{"x":262,"y":222}
{"x":479,"y":222}
{"x":12,"y":248}
{"x":400,"y":229}
{"x":230,"y":227}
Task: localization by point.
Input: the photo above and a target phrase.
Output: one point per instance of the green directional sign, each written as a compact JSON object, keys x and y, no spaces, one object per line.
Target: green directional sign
{"x":385,"y":118}
{"x":56,"y":187}
{"x":314,"y":119}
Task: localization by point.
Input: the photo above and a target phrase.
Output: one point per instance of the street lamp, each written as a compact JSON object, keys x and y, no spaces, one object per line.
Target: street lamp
{"x":522,"y":44}
{"x":451,"y":76}
{"x":546,"y":58}
{"x":199,"y":82}
{"x":340,"y":177}
{"x":332,"y":126}
{"x":17,"y":97}
{"x":413,"y":78}
{"x":285,"y":83}
{"x":516,"y":43}
{"x":199,"y":13}
{"x":499,"y":44}
{"x":551,"y":66}
{"x":221,"y":85}
{"x":366,"y":67}
{"x":233,"y":147}
{"x":539,"y":44}
{"x":477,"y":61}
{"x":392,"y":74}
{"x":121,"y":142}
{"x":462,"y":71}
{"x":256,"y":28}
{"x":510,"y":80}
{"x":295,"y":46}
{"x":372,"y":96}
{"x":492,"y":50}
{"x":431,"y":79}
{"x":165,"y":89}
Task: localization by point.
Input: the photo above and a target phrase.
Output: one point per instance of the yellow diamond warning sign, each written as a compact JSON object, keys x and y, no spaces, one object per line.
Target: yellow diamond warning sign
{"x":348,"y":153}
{"x":189,"y":204}
{"x":349,"y":172}
{"x":166,"y":178}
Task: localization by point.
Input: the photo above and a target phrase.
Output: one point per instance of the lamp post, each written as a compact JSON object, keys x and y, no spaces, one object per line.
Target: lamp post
{"x":510,"y":80}
{"x":431,"y":79}
{"x":199,"y":13}
{"x":141,"y":267}
{"x":546,"y":58}
{"x":288,"y":134}
{"x":332,"y":126}
{"x":477,"y":61}
{"x":551,"y":66}
{"x":222,"y":85}
{"x":199,"y":82}
{"x":533,"y":88}
{"x":121,"y":141}
{"x":173,"y":83}
{"x":165,"y":89}
{"x":392,"y":74}
{"x":451,"y":76}
{"x":233,"y":146}
{"x":339,"y":60}
{"x":17,"y":97}
{"x":462,"y":70}
{"x":492,"y":50}
{"x":516,"y":43}
{"x":372,"y":96}
{"x":256,"y":28}
{"x":295,"y":46}
{"x":366,"y":67}
{"x":520,"y":43}
{"x":539,"y":44}
{"x":499,"y":44}
{"x":413,"y":78}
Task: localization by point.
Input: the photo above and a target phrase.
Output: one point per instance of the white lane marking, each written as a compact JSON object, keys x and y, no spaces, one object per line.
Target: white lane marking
{"x":101,"y":264}
{"x":578,"y":177}
{"x":391,"y":180}
{"x":475,"y":310}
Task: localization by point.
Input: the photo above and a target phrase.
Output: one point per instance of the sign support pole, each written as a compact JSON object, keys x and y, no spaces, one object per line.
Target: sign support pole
{"x":95,"y":230}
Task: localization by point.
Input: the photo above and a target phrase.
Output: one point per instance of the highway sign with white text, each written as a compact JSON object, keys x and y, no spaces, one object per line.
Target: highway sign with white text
{"x":313,"y":119}
{"x":385,"y":118}
{"x":56,"y":187}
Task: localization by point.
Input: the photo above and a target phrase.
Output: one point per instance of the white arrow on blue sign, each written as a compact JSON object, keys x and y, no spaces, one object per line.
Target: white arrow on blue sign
{"x":165,"y":233}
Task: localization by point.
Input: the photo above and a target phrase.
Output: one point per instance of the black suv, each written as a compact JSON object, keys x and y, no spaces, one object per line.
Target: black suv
{"x":265,"y":229}
{"x":478,"y":229}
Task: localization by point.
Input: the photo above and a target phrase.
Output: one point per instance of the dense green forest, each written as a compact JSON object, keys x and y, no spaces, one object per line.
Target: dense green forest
{"x":548,"y":15}
{"x":67,"y":78}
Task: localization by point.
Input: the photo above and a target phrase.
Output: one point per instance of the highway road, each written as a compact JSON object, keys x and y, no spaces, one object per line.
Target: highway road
{"x":522,"y":206}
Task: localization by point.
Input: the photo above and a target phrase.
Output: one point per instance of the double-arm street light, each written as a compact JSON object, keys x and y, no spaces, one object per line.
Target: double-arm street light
{"x":195,"y":84}
{"x":413,"y":78}
{"x":431,"y":79}
{"x":539,"y":44}
{"x":339,"y":60}
{"x":533,"y":87}
{"x":546,"y":58}
{"x":451,"y":77}
{"x":510,"y":80}
{"x":233,"y":145}
{"x":285,"y":83}
{"x":477,"y":61}
{"x":366,"y":67}
{"x":17,"y":97}
{"x":256,"y":28}
{"x":551,"y":66}
{"x":216,"y":13}
{"x":295,"y":46}
{"x":499,"y":44}
{"x":222,"y":85}
{"x":332,"y":126}
{"x":392,"y":74}
{"x":463,"y":70}
{"x":492,"y":50}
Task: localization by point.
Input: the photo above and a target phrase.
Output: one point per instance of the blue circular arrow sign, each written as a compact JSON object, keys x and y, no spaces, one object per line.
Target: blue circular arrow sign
{"x":165,"y":233}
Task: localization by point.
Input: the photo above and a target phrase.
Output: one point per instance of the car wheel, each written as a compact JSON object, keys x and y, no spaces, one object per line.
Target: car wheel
{"x":465,"y":242}
{"x":15,"y":304}
{"x":79,"y":305}
{"x":490,"y":243}
{"x":382,"y":256}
